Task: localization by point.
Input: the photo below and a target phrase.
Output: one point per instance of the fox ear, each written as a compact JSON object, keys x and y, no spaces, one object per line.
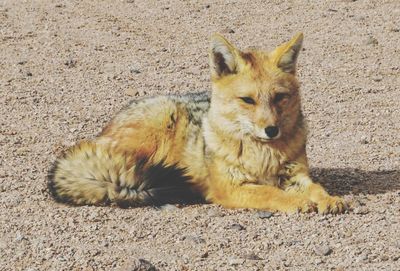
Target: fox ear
{"x":285,"y":55}
{"x":223,"y":57}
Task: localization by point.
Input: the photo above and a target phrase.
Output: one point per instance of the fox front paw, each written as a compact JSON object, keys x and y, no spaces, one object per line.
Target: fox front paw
{"x":331,"y":205}
{"x":301,"y":205}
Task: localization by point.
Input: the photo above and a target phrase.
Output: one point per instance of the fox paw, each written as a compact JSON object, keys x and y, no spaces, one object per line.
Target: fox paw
{"x":302,"y":205}
{"x":331,"y":205}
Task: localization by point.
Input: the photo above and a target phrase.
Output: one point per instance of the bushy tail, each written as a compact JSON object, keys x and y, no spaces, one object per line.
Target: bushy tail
{"x":93,"y":174}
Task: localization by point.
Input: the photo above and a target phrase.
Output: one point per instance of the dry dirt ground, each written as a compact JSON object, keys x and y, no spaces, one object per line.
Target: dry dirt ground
{"x":67,"y":66}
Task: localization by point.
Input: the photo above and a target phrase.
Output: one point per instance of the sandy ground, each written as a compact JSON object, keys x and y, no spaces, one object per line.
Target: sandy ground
{"x":67,"y":66}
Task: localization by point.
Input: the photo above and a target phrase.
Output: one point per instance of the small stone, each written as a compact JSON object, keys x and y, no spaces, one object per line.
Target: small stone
{"x":29,"y":74}
{"x":377,"y":78}
{"x":362,"y":257}
{"x":169,"y":208}
{"x":134,"y":70}
{"x":21,"y":151}
{"x":361,"y":210}
{"x":236,"y":226}
{"x":323,"y":250}
{"x":19,"y":237}
{"x":318,"y":261}
{"x":228,"y":30}
{"x":235,"y":261}
{"x":22,"y":62}
{"x":384,"y":258}
{"x":364,"y":140}
{"x":132,"y":92}
{"x":293,"y":242}
{"x":371,"y":41}
{"x":252,"y":256}
{"x":278,"y":242}
{"x":195,"y":239}
{"x":141,"y":265}
{"x":70,"y":63}
{"x":264,"y":214}
{"x":204,"y":255}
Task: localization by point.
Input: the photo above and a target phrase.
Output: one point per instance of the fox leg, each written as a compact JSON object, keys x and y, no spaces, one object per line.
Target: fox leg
{"x":255,"y":196}
{"x":298,"y":181}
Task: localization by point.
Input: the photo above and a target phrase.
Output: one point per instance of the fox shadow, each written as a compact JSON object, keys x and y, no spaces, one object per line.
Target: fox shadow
{"x":344,"y":181}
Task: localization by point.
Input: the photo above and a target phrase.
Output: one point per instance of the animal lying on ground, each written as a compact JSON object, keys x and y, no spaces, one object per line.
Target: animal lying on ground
{"x":243,"y":147}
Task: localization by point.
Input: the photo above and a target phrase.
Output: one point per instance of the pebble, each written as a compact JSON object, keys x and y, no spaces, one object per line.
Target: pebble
{"x":364,"y":140}
{"x":169,"y":208}
{"x":371,"y":40}
{"x":235,"y":261}
{"x":384,"y":258}
{"x":141,"y":265}
{"x":323,"y":250}
{"x":252,"y":256}
{"x":135,"y":71}
{"x":135,"y":68}
{"x":377,"y":78}
{"x":361,"y":210}
{"x":228,"y":30}
{"x":195,"y":239}
{"x":362,"y":257}
{"x":318,"y":261}
{"x":236,"y":226}
{"x":278,"y":242}
{"x":132,"y":92}
{"x":204,"y":255}
{"x":264,"y":214}
{"x":21,"y":151}
{"x":70,"y":63}
{"x":19,"y":237}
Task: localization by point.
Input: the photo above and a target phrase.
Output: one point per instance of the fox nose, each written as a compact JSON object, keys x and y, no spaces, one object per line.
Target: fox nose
{"x":272,"y":131}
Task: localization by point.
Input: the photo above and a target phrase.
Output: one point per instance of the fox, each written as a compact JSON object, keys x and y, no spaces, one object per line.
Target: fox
{"x":240,"y":145}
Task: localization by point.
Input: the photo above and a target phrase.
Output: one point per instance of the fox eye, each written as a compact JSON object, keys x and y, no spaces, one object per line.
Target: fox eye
{"x":280,"y":96}
{"x":248,"y":100}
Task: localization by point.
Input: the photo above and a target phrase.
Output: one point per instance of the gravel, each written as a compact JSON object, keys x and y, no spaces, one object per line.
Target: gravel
{"x":67,"y":67}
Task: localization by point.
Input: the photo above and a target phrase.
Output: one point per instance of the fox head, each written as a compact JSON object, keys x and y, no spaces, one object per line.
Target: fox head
{"x":255,"y":93}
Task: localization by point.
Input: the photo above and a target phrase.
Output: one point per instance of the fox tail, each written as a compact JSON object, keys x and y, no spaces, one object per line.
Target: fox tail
{"x":93,"y":174}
